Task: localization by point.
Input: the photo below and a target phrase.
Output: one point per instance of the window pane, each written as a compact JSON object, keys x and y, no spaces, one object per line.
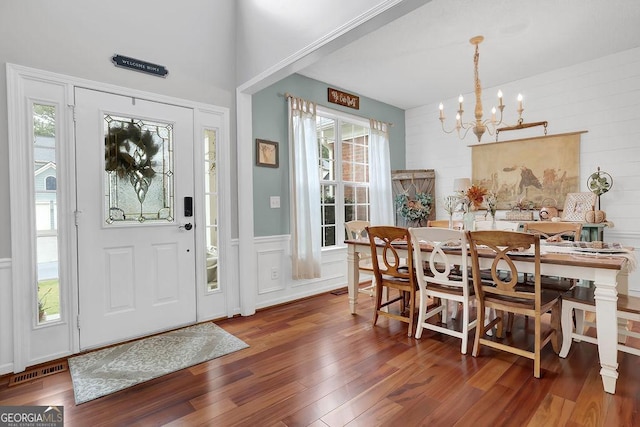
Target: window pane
{"x":329,"y":236}
{"x":211,"y":208}
{"x":326,"y":147}
{"x":356,"y":203}
{"x":355,"y":153}
{"x":46,"y":210}
{"x":328,"y":214}
{"x":138,"y":170}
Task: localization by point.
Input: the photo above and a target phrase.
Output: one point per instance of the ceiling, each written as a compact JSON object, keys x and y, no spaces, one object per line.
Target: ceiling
{"x":425,"y":56}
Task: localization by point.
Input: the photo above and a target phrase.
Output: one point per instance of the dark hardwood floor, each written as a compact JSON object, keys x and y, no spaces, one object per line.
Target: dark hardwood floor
{"x":313,"y":363}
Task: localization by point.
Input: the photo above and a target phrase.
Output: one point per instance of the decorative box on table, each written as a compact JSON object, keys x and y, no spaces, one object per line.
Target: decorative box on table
{"x":519,"y":215}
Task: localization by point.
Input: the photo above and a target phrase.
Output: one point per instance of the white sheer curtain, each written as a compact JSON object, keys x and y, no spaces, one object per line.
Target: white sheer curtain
{"x":380,"y":194}
{"x":305,"y":185}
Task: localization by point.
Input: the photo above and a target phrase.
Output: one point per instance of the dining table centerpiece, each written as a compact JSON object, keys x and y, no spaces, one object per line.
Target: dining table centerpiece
{"x":476,"y":194}
{"x":414,"y":211}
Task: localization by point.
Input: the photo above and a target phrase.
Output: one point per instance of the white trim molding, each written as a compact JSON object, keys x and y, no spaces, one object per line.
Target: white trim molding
{"x":34,"y":343}
{"x":6,"y":317}
{"x":273,"y":253}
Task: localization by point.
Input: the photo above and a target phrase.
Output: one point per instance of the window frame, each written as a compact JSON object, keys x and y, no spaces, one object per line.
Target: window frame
{"x":339,"y":119}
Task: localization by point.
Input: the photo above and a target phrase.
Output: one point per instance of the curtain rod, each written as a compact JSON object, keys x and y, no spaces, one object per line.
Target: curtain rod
{"x":288,"y":95}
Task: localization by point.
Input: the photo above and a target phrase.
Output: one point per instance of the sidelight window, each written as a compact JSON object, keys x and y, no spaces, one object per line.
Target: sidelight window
{"x":46,"y":212}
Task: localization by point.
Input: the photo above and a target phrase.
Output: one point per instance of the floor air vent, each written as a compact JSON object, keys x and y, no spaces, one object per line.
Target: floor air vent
{"x":39,"y":372}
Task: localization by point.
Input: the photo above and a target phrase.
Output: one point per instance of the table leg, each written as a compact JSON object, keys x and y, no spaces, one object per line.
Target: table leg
{"x":623,"y":289}
{"x":606,"y":297}
{"x":353,"y":276}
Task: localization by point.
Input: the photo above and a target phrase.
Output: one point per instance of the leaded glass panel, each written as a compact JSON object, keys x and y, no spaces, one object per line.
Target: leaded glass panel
{"x":138,"y":170}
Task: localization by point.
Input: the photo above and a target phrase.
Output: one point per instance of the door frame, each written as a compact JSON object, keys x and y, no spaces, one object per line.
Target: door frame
{"x":32,"y":343}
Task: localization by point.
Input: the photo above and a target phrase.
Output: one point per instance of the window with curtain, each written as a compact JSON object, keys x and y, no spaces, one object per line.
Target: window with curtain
{"x":343,"y":154}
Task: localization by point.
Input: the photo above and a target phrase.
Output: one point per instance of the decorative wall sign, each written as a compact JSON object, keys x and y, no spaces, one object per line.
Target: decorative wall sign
{"x":530,"y":169}
{"x":138,"y":65}
{"x":267,"y":153}
{"x":343,"y":98}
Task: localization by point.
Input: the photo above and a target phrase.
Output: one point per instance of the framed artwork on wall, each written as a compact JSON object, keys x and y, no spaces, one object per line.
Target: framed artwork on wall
{"x":267,"y":153}
{"x":531,"y":169}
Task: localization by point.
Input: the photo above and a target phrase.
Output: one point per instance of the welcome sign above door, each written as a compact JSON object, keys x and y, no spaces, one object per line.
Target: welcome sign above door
{"x":138,"y":65}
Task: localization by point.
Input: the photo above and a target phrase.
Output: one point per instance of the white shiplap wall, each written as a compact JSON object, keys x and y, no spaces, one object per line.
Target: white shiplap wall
{"x":601,"y":97}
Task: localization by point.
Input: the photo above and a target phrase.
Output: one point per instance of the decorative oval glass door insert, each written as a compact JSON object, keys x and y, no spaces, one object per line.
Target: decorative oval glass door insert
{"x":138,"y":170}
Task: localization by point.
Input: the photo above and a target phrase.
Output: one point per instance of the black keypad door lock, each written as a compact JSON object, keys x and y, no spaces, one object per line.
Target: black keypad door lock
{"x":188,"y":207}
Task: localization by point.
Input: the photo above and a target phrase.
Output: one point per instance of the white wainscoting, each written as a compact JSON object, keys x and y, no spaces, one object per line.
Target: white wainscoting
{"x":6,"y":317}
{"x":275,"y":285}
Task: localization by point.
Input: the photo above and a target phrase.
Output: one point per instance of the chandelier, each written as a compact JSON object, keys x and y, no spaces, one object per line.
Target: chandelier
{"x":490,"y":125}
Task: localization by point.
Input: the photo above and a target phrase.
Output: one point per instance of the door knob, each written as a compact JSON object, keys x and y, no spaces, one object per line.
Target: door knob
{"x":188,"y":226}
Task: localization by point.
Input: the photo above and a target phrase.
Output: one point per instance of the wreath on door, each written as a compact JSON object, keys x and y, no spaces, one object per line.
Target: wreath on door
{"x":129,"y":153}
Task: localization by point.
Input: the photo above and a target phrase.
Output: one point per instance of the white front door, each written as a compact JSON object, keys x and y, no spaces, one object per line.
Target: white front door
{"x":136,"y":245}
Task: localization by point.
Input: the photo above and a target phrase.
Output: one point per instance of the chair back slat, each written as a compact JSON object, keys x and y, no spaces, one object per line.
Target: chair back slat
{"x":439,"y":263}
{"x":555,"y":230}
{"x":356,"y":229}
{"x":500,"y":246}
{"x":444,"y":223}
{"x":381,"y":240}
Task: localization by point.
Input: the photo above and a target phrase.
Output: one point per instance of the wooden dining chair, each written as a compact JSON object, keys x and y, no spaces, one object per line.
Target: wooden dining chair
{"x":444,"y":223}
{"x":356,"y":230}
{"x":555,"y":232}
{"x":503,"y":294}
{"x":439,"y":284}
{"x":393,"y":272}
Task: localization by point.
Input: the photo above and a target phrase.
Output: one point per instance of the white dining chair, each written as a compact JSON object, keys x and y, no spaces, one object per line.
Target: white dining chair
{"x":443,"y":279}
{"x":580,"y":300}
{"x":357,"y":230}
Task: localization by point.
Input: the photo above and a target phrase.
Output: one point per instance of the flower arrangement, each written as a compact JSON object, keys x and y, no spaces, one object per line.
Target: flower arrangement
{"x":476,"y":194}
{"x":413,"y":210}
{"x":450,"y":203}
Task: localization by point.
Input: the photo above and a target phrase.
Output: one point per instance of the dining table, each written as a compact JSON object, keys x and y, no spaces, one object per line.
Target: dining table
{"x":607,"y":272}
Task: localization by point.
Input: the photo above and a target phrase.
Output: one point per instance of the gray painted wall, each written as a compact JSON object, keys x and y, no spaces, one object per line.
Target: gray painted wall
{"x":78,"y":38}
{"x":270,"y":122}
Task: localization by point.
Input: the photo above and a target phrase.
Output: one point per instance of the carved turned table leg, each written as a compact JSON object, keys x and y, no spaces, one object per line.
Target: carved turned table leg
{"x":353,"y":276}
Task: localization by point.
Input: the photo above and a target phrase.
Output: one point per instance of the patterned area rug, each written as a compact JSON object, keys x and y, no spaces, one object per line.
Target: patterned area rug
{"x":106,"y":371}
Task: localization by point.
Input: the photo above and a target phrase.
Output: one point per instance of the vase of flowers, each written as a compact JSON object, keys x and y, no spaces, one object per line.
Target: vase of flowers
{"x":414,"y":211}
{"x":492,"y":206}
{"x":450,"y":203}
